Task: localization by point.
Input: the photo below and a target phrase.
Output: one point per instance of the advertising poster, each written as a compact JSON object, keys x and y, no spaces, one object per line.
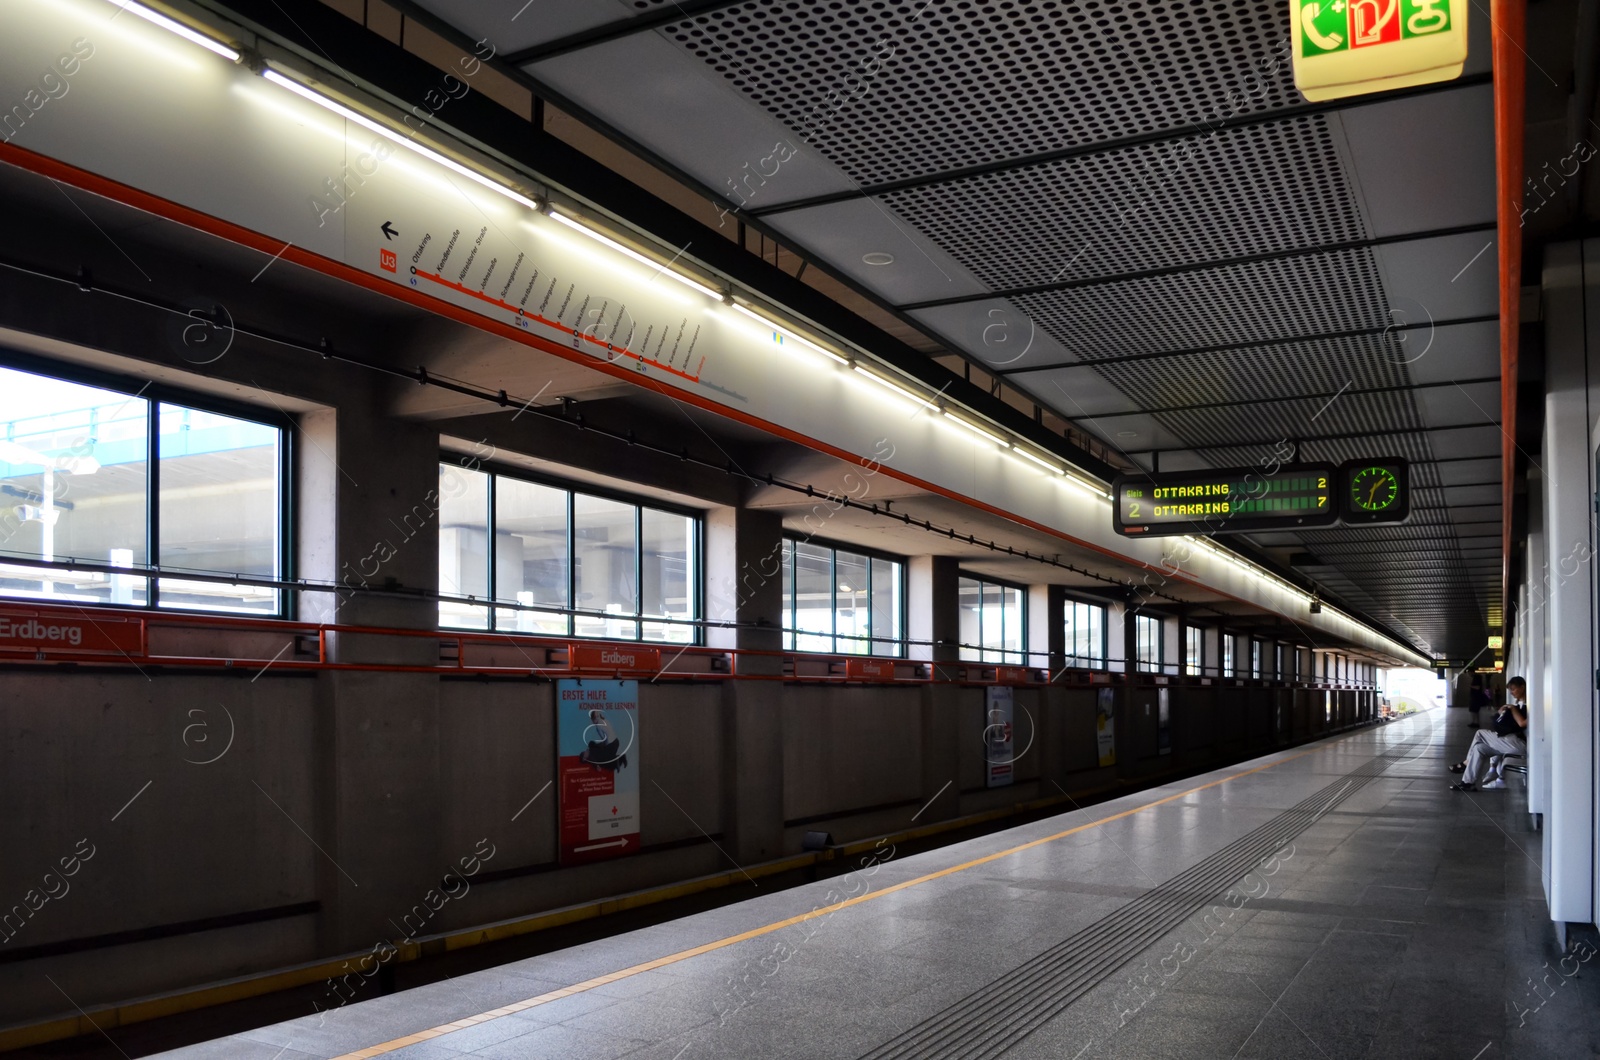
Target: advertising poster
{"x":1105,"y":726}
{"x":597,"y":768}
{"x":1163,"y":723}
{"x":998,"y":739}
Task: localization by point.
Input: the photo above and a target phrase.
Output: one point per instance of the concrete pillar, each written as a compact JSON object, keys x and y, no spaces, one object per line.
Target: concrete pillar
{"x":933,"y":609}
{"x":1047,"y":635}
{"x":368,"y":517}
{"x":1566,"y":716}
{"x":744,"y":586}
{"x":933,"y":618}
{"x":1533,"y":626}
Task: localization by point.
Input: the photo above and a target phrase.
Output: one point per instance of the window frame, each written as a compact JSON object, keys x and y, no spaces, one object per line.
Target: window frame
{"x":1100,"y":661}
{"x":494,"y":469}
{"x":1158,"y":664}
{"x":786,"y":628}
{"x":1198,"y":669}
{"x":155,"y":394}
{"x":1022,"y":621}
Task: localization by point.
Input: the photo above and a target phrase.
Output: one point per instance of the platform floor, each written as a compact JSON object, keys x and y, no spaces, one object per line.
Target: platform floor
{"x":1333,"y":901}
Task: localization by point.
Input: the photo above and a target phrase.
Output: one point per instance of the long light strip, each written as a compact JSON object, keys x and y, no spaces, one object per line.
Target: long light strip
{"x":1047,"y":465}
{"x":174,"y":26}
{"x":894,"y":387}
{"x":975,"y":429}
{"x":670,"y":273}
{"x":326,"y":103}
{"x":786,"y":333}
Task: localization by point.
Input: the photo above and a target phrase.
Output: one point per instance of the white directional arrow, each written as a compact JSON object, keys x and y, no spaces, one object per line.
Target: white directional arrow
{"x":602,"y":846}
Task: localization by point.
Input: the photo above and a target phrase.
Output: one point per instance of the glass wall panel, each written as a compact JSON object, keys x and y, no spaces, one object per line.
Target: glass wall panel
{"x":463,"y":545}
{"x":852,"y":603}
{"x":219,"y":509}
{"x":991,"y":621}
{"x":1085,"y":635}
{"x":667,"y":558}
{"x":605,"y":546}
{"x":813,"y":597}
{"x":531,"y":545}
{"x":73,"y":485}
{"x":887,"y":607}
{"x":1147,"y":637}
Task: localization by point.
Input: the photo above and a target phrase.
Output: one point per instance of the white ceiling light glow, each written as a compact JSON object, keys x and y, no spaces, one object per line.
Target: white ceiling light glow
{"x":350,"y":114}
{"x":174,"y":26}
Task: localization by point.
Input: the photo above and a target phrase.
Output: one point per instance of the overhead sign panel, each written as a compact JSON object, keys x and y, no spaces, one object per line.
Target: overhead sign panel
{"x":1232,"y":500}
{"x":1352,"y":47}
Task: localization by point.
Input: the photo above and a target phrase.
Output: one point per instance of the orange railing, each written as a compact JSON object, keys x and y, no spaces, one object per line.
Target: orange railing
{"x":62,"y":634}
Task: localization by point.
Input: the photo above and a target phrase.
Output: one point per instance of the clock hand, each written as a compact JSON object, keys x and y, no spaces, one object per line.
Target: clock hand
{"x":1373,"y":492}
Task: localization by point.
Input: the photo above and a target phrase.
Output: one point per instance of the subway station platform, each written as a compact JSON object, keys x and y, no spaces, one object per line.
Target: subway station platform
{"x":1336,"y":900}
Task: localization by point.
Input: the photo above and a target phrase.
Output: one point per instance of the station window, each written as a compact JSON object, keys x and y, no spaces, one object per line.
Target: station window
{"x":1194,"y":650}
{"x":991,"y":621}
{"x":1227,"y":655}
{"x":563,"y":563}
{"x":840,"y":601}
{"x":1255,"y":659}
{"x":79,"y":489}
{"x":1085,"y":635}
{"x":1147,"y":642}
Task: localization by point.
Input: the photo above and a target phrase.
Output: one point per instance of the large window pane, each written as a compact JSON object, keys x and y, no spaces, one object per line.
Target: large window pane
{"x":667,"y":558}
{"x":72,"y":486}
{"x":990,"y":621}
{"x":852,"y":593}
{"x":219,"y":508}
{"x":1085,"y":635}
{"x":463,"y":545}
{"x":605,"y":574}
{"x":530,"y":556}
{"x":887,"y":605}
{"x":813,"y":597}
{"x":788,"y":595}
{"x":1147,"y":637}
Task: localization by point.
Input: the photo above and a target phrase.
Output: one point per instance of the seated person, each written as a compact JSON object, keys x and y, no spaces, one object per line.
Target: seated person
{"x":1508,"y":738}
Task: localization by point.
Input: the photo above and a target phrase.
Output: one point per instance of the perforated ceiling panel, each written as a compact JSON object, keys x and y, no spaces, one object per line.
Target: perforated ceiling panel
{"x":895,"y":88}
{"x":1257,"y":301}
{"x":1205,"y":197}
{"x":1142,"y":180}
{"x":1259,"y":373}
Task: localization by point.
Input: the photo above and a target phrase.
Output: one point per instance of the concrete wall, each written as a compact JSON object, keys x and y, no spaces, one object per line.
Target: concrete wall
{"x":357,"y":791}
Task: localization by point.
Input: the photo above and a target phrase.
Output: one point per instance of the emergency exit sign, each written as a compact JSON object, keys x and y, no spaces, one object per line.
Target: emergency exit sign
{"x":1351,"y":47}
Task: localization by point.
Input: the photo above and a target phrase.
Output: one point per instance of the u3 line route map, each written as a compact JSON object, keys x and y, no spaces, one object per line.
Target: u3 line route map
{"x":592,"y":329}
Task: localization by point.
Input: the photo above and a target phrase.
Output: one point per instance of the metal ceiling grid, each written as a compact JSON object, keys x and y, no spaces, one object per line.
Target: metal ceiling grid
{"x":1255,"y":301}
{"x":1172,"y":241}
{"x":1323,"y":368}
{"x":891,"y":89}
{"x":1254,"y":189}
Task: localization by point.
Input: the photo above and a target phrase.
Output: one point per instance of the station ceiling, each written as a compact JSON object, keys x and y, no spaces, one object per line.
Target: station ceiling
{"x":1125,"y":209}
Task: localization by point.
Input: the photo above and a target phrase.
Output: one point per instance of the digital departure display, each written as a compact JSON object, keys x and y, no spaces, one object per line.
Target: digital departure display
{"x":1231,"y":500}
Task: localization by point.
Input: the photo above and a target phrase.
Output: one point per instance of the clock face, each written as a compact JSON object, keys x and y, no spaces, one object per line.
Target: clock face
{"x":1374,"y":489}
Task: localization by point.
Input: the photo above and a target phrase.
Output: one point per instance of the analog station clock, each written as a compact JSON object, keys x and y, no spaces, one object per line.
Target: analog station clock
{"x":1375,"y":491}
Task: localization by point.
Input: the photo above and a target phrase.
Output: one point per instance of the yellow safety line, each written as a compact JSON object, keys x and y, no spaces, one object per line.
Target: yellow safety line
{"x":744,"y":936}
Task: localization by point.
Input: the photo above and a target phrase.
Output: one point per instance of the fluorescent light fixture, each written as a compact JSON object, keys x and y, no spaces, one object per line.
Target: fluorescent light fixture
{"x":975,"y":429}
{"x":1047,"y":465}
{"x":786,"y":333}
{"x":174,"y":26}
{"x":327,"y":103}
{"x":1087,"y":487}
{"x":894,"y":387}
{"x":661,"y":269}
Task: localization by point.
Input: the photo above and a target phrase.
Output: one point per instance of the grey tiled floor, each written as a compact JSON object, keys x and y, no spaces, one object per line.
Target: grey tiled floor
{"x":1407,"y":922}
